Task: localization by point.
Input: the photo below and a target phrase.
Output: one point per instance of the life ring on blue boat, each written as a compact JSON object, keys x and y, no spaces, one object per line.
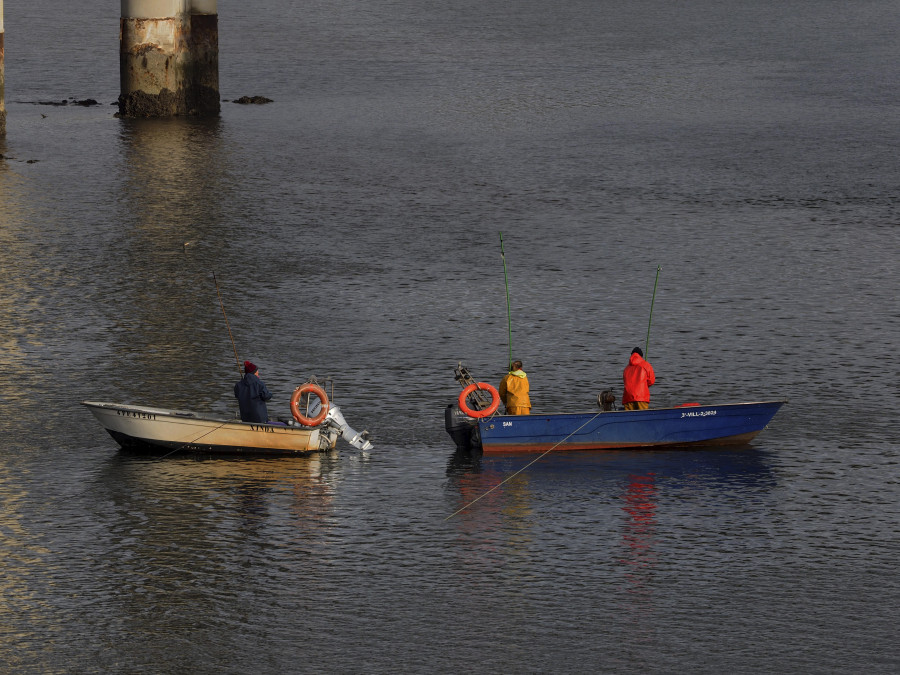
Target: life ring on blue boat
{"x":495,"y":400}
{"x":309,"y":388}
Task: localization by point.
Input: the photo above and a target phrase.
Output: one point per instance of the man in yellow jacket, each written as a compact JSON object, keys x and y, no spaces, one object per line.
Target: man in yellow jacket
{"x":514,"y":391}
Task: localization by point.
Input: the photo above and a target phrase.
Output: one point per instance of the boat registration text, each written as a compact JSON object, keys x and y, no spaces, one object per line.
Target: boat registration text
{"x":134,"y":413}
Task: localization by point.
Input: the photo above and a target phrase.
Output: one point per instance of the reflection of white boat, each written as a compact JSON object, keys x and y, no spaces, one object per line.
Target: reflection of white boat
{"x":141,"y":427}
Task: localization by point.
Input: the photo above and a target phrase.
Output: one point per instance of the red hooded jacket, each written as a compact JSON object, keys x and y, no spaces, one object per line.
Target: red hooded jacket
{"x":638,"y":377}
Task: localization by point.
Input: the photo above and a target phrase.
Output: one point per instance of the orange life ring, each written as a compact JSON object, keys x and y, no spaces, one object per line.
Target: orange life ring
{"x":495,"y":400}
{"x":311,"y":388}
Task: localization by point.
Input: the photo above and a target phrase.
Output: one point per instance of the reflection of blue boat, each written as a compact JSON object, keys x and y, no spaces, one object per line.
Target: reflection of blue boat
{"x":684,"y":426}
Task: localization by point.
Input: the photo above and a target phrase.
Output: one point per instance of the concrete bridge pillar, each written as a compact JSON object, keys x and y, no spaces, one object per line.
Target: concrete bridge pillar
{"x":169,"y":58}
{"x":2,"y":86}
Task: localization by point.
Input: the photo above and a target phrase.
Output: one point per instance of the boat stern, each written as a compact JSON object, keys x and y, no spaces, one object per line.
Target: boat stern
{"x":462,"y":428}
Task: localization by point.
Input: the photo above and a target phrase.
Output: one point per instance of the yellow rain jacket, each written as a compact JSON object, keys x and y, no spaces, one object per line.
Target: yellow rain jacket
{"x":514,"y":393}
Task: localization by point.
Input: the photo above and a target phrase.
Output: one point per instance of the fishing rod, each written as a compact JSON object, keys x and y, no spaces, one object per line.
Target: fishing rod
{"x":222,"y":305}
{"x":508,"y":314}
{"x":647,"y":344}
{"x":240,"y":373}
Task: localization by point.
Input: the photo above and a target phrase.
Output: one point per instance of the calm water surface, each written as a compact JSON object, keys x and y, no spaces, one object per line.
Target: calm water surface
{"x":748,"y":149}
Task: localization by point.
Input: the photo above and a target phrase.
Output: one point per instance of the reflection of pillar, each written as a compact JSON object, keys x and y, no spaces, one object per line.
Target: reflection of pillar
{"x":172,"y":195}
{"x":169,"y":58}
{"x":2,"y":93}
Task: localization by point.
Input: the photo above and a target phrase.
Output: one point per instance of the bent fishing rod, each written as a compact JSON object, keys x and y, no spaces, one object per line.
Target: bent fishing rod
{"x":508,"y":313}
{"x":233,"y":346}
{"x":647,"y":344}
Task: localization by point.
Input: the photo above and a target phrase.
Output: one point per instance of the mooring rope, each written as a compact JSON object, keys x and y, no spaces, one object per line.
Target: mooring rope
{"x":509,"y":478}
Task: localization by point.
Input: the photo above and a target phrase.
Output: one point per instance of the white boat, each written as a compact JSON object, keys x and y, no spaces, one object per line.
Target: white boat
{"x":146,"y":428}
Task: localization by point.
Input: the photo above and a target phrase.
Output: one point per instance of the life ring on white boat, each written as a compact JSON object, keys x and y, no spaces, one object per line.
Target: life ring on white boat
{"x":309,"y":388}
{"x":495,"y":400}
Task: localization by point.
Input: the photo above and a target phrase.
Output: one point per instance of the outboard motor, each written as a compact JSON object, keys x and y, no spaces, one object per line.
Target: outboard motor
{"x":335,"y":425}
{"x":358,"y":439}
{"x":460,"y":426}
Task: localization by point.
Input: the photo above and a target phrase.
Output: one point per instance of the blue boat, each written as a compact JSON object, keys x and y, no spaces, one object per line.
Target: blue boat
{"x":473,"y":424}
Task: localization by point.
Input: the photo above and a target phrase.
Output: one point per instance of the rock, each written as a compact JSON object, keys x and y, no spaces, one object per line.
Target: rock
{"x":86,"y":102}
{"x":257,"y":100}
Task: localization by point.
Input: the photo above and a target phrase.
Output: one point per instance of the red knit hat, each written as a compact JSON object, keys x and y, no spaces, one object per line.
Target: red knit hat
{"x":249,"y":367}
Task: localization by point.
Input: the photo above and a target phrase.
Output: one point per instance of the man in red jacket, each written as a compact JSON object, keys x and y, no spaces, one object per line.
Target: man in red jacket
{"x":638,"y":377}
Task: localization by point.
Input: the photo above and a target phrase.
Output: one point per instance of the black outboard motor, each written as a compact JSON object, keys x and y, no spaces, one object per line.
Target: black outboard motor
{"x":460,"y":426}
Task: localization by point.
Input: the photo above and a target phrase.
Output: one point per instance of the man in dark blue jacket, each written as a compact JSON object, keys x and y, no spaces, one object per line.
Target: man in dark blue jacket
{"x":252,"y":394}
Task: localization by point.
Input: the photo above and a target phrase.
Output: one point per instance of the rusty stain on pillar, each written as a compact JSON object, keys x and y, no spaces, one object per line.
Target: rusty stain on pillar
{"x":168,"y":58}
{"x":2,"y":85}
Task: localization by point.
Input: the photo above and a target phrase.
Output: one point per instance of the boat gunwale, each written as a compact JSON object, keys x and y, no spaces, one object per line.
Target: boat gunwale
{"x":680,"y":408}
{"x":188,"y":415}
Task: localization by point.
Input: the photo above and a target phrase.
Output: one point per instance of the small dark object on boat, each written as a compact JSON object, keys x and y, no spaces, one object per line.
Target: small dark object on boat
{"x":259,"y":100}
{"x":606,"y":400}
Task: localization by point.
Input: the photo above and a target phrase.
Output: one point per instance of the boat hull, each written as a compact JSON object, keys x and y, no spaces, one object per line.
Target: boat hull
{"x":143,"y":428}
{"x":687,"y":426}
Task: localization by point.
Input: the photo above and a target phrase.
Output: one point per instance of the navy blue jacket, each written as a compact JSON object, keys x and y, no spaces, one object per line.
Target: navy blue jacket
{"x":252,"y":394}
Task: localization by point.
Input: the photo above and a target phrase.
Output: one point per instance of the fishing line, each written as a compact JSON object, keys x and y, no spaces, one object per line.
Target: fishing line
{"x":508,"y":314}
{"x":237,"y":360}
{"x":509,"y":478}
{"x":647,"y":344}
{"x":222,"y":305}
{"x":184,"y":445}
